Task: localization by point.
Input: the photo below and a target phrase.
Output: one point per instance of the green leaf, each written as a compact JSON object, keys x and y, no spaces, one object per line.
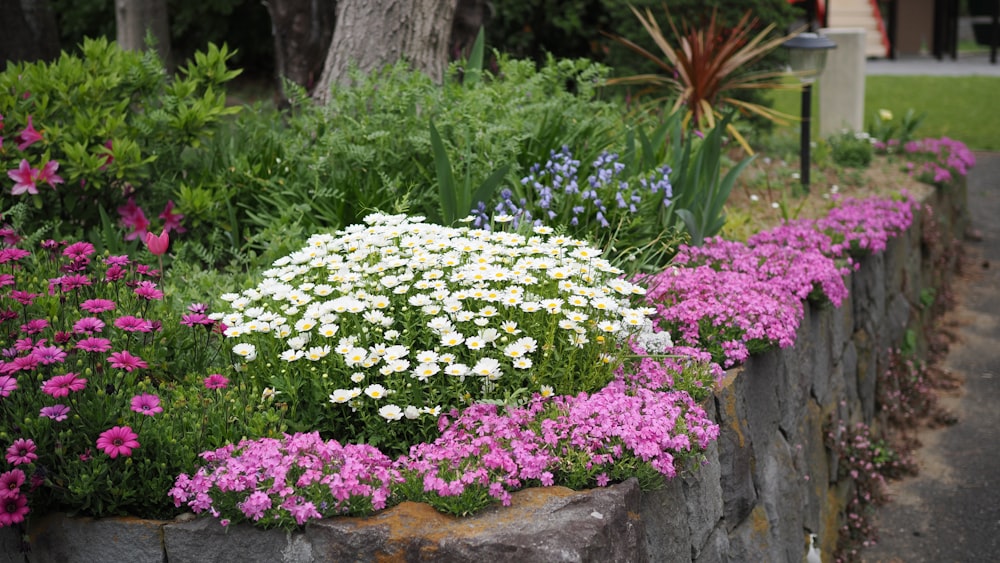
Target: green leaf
{"x":446,"y":180}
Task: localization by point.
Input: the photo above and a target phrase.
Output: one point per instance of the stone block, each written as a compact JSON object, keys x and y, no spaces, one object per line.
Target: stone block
{"x":753,"y":540}
{"x":716,"y":549}
{"x":897,"y":319}
{"x":11,"y":546}
{"x":204,"y":539}
{"x":540,"y":525}
{"x":735,"y":456}
{"x":668,"y":537}
{"x":58,"y":539}
{"x":820,"y":329}
{"x":760,"y":383}
{"x":867,"y":365}
{"x":703,"y":498}
{"x":779,"y":486}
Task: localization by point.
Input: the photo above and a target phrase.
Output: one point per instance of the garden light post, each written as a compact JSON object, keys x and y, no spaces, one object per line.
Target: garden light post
{"x":807,"y":57}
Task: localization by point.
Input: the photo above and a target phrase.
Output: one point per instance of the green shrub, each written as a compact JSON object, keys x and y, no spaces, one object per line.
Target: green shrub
{"x":851,"y":150}
{"x":102,"y":127}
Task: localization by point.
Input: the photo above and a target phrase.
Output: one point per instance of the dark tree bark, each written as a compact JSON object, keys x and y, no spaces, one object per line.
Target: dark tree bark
{"x":134,"y":17}
{"x":302,"y":31}
{"x":470,"y":16}
{"x":373,"y":33}
{"x":28,"y":31}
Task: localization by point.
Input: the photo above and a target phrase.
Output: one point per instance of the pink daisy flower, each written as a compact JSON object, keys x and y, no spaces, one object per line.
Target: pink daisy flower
{"x":146,"y":404}
{"x":147,"y":290}
{"x":21,"y":451}
{"x":10,"y":484}
{"x":119,"y":440}
{"x":97,"y":305}
{"x":88,"y":325}
{"x":13,"y":511}
{"x":94,"y":344}
{"x":61,"y":385}
{"x":128,"y":362}
{"x":47,"y":355}
{"x":216,"y":381}
{"x":129,"y":323}
{"x":57,"y":413}
{"x":78,"y":250}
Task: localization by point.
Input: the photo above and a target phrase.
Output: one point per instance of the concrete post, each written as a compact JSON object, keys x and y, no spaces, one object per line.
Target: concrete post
{"x":842,"y":84}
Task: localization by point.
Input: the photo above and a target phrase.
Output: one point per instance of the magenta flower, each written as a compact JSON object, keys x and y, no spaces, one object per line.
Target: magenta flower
{"x":121,"y":260}
{"x":34,"y":326}
{"x":48,"y":174}
{"x":88,"y":325}
{"x":78,"y":250}
{"x":216,"y":381}
{"x":29,"y":136}
{"x":120,"y":440}
{"x":62,"y":385}
{"x":23,"y":297}
{"x":7,"y":385}
{"x":57,"y":413}
{"x":146,"y":404}
{"x":193,"y":319}
{"x":157,"y":244}
{"x":21,"y":451}
{"x":12,"y":254}
{"x":94,"y":344}
{"x":171,"y":220}
{"x":128,"y":362}
{"x":25,"y":177}
{"x":147,"y":290}
{"x":129,"y":323}
{"x":13,"y":511}
{"x":47,"y":355}
{"x":133,"y":217}
{"x":10,"y":484}
{"x":97,"y":305}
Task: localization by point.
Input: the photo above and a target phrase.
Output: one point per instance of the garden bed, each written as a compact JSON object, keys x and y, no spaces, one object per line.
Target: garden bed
{"x":770,"y":480}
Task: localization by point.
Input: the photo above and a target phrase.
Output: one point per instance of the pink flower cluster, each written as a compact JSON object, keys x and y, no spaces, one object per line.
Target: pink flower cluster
{"x":944,"y":159}
{"x":734,"y":299}
{"x":298,"y":477}
{"x":482,"y":447}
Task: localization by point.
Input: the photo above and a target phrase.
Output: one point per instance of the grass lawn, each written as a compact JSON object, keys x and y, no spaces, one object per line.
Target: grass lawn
{"x":962,"y":108}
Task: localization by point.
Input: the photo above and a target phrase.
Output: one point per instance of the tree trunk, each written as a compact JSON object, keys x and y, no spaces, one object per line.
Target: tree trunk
{"x":134,"y":17}
{"x":302,"y":31}
{"x":373,"y":33}
{"x":28,"y":31}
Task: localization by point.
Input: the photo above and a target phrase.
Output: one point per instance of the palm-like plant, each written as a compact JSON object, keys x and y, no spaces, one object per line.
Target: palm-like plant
{"x":707,"y":67}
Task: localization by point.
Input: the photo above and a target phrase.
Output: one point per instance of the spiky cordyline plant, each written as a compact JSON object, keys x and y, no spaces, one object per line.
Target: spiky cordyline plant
{"x":707,"y":69}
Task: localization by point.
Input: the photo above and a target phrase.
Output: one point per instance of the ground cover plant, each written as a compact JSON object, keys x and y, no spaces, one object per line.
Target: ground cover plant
{"x":369,"y":357}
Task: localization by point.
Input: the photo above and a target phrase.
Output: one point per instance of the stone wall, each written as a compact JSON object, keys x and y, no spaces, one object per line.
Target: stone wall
{"x":768,"y":482}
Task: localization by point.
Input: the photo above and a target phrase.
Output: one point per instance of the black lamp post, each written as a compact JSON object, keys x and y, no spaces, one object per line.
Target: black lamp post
{"x":807,"y":57}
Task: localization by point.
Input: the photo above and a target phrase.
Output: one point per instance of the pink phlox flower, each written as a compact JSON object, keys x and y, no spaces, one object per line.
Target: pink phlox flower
{"x":57,"y":413}
{"x":62,"y":385}
{"x":10,"y":484}
{"x":88,"y":325}
{"x":171,"y":220}
{"x":118,"y":441}
{"x":97,"y":305}
{"x":146,"y":404}
{"x":25,"y":177}
{"x":28,"y":136}
{"x":21,"y":451}
{"x":126,"y":361}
